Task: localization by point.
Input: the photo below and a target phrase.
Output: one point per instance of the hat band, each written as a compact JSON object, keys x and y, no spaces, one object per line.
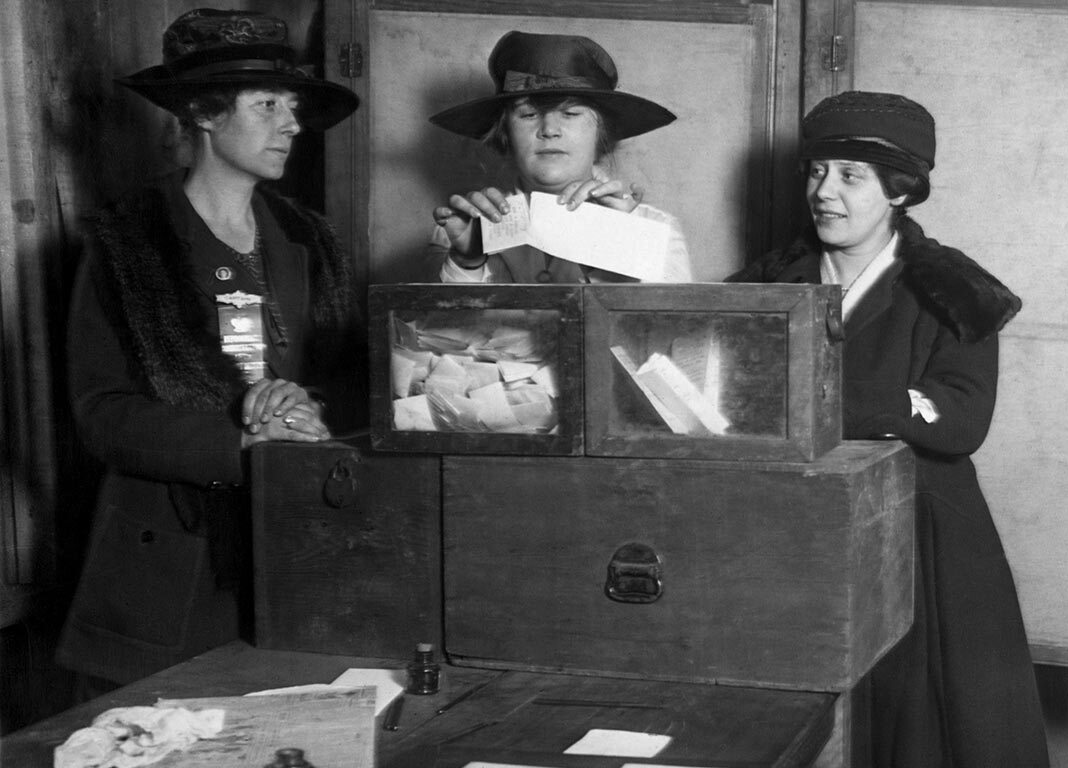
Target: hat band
{"x":865,"y":151}
{"x":525,"y":81}
{"x":242,"y":65}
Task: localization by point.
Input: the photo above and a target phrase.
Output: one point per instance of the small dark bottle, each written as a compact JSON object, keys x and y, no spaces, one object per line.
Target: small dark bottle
{"x":290,"y":757}
{"x":423,"y":671}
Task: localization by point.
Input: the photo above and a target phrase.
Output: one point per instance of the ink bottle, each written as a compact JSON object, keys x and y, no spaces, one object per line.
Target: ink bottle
{"x":423,"y":671}
{"x":290,"y":757}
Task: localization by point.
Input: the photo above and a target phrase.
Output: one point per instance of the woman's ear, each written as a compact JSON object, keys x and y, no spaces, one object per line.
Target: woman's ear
{"x":897,"y":202}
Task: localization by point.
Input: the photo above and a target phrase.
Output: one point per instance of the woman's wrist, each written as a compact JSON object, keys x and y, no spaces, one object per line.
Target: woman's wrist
{"x":466,"y":262}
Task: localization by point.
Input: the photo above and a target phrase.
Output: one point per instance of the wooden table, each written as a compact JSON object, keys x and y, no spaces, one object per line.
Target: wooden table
{"x":515,"y":717}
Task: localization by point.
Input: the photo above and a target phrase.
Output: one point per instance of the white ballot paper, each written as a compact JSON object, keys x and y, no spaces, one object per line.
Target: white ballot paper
{"x":603,"y":741}
{"x":388,"y":684}
{"x":592,"y":234}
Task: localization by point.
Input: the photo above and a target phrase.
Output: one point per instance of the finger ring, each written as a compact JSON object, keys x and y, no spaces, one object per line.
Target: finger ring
{"x":624,"y":196}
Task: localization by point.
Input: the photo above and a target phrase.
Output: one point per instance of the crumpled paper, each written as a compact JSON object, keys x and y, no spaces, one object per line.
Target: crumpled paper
{"x":127,"y":737}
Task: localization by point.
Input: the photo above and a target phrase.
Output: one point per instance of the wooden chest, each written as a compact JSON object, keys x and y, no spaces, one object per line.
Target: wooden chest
{"x":771,"y":574}
{"x":347,"y":548}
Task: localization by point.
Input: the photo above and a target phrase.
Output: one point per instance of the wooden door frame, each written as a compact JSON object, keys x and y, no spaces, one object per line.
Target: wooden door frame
{"x":794,"y":83}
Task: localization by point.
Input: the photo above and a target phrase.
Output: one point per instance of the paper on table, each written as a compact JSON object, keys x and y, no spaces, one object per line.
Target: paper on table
{"x":604,"y":741}
{"x":388,"y":683}
{"x":334,"y":726}
{"x":592,"y":234}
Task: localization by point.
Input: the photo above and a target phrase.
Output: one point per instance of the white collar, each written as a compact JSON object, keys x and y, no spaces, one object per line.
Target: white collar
{"x":862,"y":283}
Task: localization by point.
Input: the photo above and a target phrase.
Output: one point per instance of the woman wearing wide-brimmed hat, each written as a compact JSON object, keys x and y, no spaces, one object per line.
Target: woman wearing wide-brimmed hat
{"x":210,"y":313}
{"x":557,"y":115}
{"x":920,"y":364}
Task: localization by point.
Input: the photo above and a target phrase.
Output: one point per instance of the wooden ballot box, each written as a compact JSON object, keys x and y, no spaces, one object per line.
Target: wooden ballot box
{"x":794,"y":575}
{"x":705,"y":371}
{"x":494,"y":369}
{"x":347,"y":548}
{"x":712,"y":371}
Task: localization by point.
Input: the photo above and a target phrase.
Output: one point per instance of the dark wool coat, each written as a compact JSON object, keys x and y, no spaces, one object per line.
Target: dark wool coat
{"x":156,"y":400}
{"x":959,"y":690}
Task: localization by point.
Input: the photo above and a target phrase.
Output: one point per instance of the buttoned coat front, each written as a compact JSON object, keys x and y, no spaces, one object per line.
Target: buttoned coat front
{"x":961,"y":683}
{"x":156,"y":400}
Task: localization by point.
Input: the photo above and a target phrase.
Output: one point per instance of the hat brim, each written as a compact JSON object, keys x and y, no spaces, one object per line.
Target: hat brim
{"x":628,"y":115}
{"x":324,"y":104}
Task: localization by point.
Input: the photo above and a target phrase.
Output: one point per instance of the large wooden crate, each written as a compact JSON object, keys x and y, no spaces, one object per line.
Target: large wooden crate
{"x":771,"y":574}
{"x":347,"y":548}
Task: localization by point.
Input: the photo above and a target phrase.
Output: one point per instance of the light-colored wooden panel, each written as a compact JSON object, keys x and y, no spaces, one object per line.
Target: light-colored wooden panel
{"x":994,"y":80}
{"x":697,"y":168}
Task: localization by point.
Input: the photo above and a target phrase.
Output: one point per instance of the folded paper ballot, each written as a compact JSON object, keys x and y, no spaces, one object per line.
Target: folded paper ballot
{"x":683,"y":387}
{"x":593,"y":235}
{"x":489,"y":371}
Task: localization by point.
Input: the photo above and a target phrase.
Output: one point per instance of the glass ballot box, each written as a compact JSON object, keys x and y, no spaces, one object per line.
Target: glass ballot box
{"x":701,"y":371}
{"x":713,"y":371}
{"x":477,"y":369}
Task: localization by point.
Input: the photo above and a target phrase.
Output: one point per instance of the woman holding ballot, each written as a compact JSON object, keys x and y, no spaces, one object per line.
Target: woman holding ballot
{"x":557,"y":117}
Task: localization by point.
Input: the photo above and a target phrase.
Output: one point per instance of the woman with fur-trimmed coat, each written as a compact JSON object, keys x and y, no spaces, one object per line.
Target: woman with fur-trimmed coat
{"x":920,"y":364}
{"x":210,"y":314}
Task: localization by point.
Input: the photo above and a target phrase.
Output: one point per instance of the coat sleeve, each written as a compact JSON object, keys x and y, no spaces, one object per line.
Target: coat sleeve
{"x":960,"y":379}
{"x":118,"y":419}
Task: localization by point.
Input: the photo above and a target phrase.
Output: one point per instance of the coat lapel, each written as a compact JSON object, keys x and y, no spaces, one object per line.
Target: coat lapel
{"x":875,"y":302}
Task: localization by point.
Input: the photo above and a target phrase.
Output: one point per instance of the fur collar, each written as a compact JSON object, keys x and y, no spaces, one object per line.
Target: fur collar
{"x":144,"y":256}
{"x":953,"y":287}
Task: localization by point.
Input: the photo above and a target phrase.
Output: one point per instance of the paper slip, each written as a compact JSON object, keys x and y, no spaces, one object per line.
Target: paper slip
{"x":602,"y":741}
{"x":388,"y":683}
{"x":334,"y":727}
{"x":511,"y":230}
{"x":592,"y":234}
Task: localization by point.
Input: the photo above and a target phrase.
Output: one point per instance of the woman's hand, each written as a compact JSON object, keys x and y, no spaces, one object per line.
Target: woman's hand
{"x":456,"y":217}
{"x":611,"y":193}
{"x":268,"y":399}
{"x":301,"y":423}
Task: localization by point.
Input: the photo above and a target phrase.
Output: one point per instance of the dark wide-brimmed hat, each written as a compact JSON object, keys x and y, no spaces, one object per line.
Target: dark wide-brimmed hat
{"x":205,"y":48}
{"x":526,"y":64}
{"x":884,"y":128}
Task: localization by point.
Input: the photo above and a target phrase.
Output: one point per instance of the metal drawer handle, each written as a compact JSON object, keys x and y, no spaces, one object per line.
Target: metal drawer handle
{"x":634,"y":574}
{"x":339,"y":490}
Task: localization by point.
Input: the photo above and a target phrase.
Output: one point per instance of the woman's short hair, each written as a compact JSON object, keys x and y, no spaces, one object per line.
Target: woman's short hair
{"x":896,"y":183}
{"x":498,"y":139}
{"x":208,"y":103}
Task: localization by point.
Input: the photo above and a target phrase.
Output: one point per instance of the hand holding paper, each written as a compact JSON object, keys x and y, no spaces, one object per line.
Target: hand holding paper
{"x":591,"y":234}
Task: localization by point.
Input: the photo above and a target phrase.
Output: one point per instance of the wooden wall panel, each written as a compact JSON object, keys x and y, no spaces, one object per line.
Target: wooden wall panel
{"x":698,"y":168}
{"x":994,"y":80}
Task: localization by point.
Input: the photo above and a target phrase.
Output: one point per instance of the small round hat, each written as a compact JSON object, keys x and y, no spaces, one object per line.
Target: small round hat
{"x":868,"y":126}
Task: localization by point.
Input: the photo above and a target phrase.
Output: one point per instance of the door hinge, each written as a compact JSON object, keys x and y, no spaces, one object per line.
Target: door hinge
{"x":834,"y":53}
{"x":350,"y":60}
